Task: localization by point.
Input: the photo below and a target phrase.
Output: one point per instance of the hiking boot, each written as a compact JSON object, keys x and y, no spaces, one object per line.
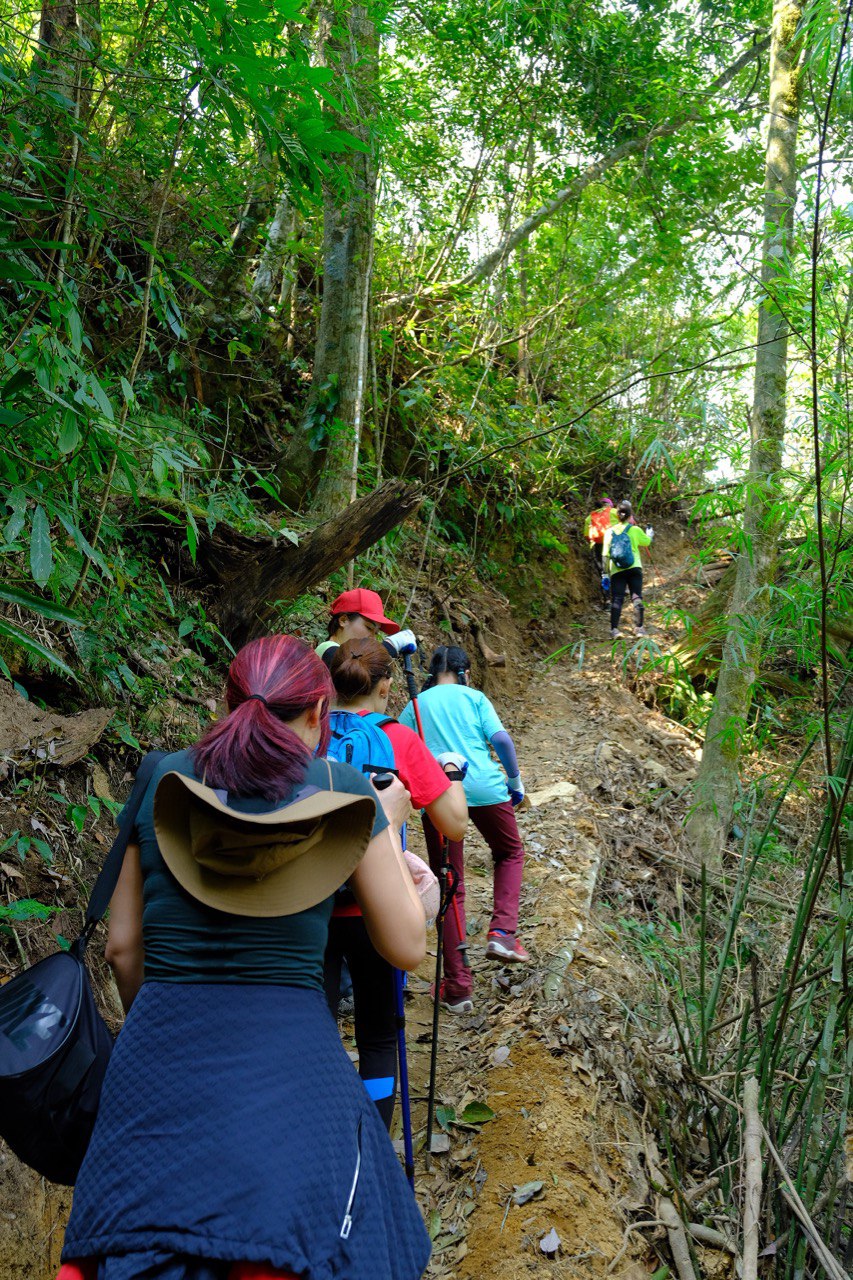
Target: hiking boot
{"x":346,"y":1006}
{"x":615,"y":633}
{"x":505,"y":947}
{"x":641,"y":631}
{"x":464,"y":1005}
{"x":453,"y":1001}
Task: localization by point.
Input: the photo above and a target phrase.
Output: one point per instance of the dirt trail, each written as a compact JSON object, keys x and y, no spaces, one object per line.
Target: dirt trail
{"x":561,"y":1116}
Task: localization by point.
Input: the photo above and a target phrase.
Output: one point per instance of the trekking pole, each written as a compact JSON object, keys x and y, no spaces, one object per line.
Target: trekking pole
{"x":405,"y":1101}
{"x":448,"y":884}
{"x":413,"y":694}
{"x":380,"y":782}
{"x":462,"y":946}
{"x":403,"y":1059}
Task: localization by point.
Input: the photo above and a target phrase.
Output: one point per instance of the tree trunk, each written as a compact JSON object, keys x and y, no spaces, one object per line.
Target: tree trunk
{"x":58,"y":46}
{"x":69,"y":45}
{"x":524,"y":340}
{"x":347,"y":240}
{"x":717,"y":780}
{"x":272,"y":254}
{"x":232,"y":273}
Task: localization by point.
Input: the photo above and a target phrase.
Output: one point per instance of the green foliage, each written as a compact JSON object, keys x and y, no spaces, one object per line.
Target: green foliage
{"x":21,"y":844}
{"x":471,"y":1117}
{"x":102,"y":306}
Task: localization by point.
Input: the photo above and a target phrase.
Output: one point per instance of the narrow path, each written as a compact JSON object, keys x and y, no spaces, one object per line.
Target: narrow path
{"x":562,"y":1130}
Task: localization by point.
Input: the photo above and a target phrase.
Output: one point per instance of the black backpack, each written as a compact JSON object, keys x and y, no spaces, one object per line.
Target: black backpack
{"x":54,"y":1045}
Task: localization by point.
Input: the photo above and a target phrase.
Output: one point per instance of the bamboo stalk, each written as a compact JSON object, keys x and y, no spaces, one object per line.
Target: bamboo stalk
{"x":827,"y":1260}
{"x":752,"y":1192}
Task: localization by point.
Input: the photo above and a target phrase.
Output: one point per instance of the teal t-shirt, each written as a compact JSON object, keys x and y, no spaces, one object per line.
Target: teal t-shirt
{"x":186,"y":941}
{"x":639,"y":538}
{"x":456,"y":718}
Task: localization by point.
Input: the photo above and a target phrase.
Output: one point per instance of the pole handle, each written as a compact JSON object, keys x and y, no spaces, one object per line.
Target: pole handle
{"x":413,"y":694}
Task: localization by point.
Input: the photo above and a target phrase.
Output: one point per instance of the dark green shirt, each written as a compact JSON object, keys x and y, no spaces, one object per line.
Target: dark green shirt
{"x":185,"y":941}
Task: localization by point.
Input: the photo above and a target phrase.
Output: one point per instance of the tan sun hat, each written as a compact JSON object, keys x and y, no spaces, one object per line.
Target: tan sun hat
{"x":260,"y":864}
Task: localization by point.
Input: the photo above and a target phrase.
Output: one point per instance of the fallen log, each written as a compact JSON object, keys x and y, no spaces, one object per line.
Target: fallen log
{"x":251,"y":573}
{"x":28,"y":733}
{"x":254,"y":574}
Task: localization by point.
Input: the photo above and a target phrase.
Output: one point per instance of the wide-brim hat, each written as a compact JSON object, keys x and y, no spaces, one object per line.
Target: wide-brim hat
{"x":260,"y":864}
{"x":368,"y":604}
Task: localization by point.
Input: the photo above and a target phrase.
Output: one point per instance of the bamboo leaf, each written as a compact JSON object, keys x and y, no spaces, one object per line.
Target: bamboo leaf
{"x":37,"y":604}
{"x":69,"y":433}
{"x":41,"y":549}
{"x":26,"y":642}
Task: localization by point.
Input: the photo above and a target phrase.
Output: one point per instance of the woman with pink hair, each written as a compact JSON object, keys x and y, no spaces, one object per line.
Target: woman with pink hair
{"x":234,"y":1140}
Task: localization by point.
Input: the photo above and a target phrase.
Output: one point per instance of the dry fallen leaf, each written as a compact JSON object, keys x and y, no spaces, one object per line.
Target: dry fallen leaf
{"x":101,"y":783}
{"x":526,"y":1192}
{"x":550,"y":1244}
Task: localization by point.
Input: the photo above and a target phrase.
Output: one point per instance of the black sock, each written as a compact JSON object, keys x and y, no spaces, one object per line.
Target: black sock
{"x":639,"y":612}
{"x":614,"y":617}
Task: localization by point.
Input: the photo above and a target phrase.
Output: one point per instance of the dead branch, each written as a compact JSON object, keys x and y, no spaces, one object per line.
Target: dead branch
{"x":711,"y":1237}
{"x":678,"y":1243}
{"x":253,"y":574}
{"x":827,"y":1260}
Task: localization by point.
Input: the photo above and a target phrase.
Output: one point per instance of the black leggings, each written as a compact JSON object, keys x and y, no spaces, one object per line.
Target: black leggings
{"x":375,"y":1006}
{"x":598,"y":560}
{"x":621,"y":582}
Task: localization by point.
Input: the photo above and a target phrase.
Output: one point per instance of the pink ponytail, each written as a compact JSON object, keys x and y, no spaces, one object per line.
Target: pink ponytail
{"x":253,"y":751}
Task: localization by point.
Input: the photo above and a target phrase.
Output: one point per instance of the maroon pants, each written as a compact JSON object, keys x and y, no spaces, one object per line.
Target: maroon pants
{"x":497,"y":825}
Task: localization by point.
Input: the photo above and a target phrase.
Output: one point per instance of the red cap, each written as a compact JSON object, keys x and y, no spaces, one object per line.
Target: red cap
{"x":368,"y":604}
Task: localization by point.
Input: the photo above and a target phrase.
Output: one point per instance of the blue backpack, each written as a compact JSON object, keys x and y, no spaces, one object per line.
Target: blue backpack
{"x":621,"y":550}
{"x":359,"y":741}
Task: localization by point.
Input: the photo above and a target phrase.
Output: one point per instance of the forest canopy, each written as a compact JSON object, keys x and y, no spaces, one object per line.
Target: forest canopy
{"x":256,"y":264}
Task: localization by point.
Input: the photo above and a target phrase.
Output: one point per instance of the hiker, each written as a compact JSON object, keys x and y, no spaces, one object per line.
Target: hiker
{"x":595,"y":527}
{"x":456,"y":717}
{"x":234,"y":1139}
{"x":360,"y":613}
{"x":355,"y":615}
{"x":622,"y":544}
{"x":362,"y":672}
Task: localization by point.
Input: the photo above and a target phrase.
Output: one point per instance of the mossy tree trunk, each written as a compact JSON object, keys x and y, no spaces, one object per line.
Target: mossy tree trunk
{"x":351,"y":46}
{"x":718,"y":777}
